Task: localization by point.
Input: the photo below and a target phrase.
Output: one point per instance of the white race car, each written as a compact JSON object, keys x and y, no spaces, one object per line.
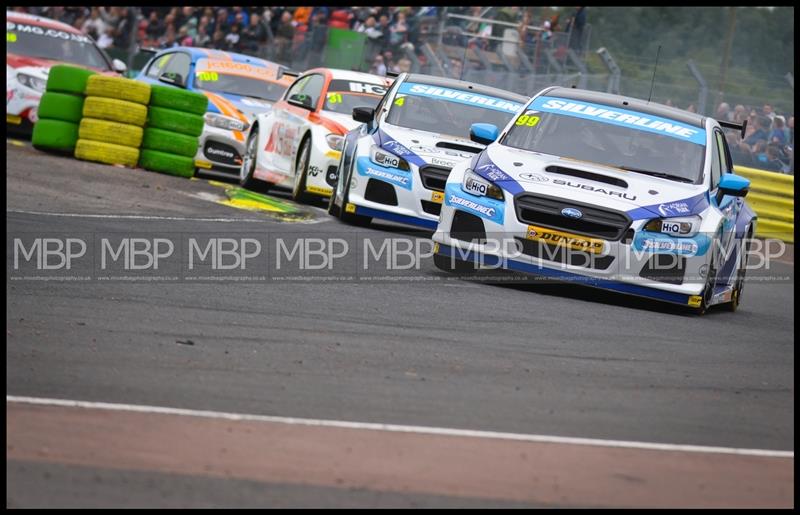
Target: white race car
{"x":33,"y":45}
{"x":609,"y":191}
{"x":299,"y":142}
{"x":394,"y":167}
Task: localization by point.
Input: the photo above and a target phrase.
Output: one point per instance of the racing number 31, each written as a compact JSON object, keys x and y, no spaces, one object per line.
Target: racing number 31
{"x":525,"y":119}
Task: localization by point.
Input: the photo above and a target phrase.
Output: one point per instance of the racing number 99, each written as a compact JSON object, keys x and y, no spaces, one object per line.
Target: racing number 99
{"x":525,"y":119}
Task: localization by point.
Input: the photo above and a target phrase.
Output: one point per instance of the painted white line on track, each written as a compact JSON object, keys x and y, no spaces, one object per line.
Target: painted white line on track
{"x":395,"y":428}
{"x":136,"y":217}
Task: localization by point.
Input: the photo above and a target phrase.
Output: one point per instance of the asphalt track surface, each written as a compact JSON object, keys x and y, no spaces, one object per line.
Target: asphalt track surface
{"x":540,"y":359}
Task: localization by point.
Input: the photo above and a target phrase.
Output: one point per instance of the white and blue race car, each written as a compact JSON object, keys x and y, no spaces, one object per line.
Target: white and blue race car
{"x":608,"y":191}
{"x":395,"y":165}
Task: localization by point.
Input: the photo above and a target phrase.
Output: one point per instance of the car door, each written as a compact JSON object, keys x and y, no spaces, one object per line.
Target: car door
{"x":298,"y":122}
{"x":728,"y":206}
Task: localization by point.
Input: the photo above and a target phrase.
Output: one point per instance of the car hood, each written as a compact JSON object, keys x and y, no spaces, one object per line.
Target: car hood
{"x":638,"y":195}
{"x":423,"y":147}
{"x":18,"y":62}
{"x":248,"y":107}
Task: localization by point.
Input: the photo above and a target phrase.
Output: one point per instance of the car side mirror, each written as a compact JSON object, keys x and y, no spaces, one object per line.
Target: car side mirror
{"x":172,"y":78}
{"x":483,"y":133}
{"x":733,"y":185}
{"x":301,"y":100}
{"x":119,"y":66}
{"x":363,"y":114}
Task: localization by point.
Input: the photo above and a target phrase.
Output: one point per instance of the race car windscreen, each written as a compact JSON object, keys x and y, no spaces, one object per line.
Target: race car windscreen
{"x":36,"y":41}
{"x":614,"y":137}
{"x":447,"y":111}
{"x":344,"y":95}
{"x":242,"y":82}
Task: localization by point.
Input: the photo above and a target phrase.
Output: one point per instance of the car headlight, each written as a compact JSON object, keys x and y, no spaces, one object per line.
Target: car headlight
{"x":474,"y":184}
{"x":381,"y":157}
{"x":32,"y":82}
{"x":682,"y":227}
{"x":225,"y":122}
{"x":335,"y":141}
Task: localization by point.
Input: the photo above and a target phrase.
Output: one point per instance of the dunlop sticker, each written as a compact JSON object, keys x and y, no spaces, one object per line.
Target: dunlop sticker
{"x":564,"y":239}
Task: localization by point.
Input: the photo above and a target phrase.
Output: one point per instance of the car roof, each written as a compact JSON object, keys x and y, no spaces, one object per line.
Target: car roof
{"x":208,"y":53}
{"x":40,"y":21}
{"x":444,"y":82}
{"x":340,"y":74}
{"x":629,"y":103}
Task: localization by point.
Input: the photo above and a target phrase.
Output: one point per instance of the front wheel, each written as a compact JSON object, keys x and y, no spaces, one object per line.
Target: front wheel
{"x":246,"y":179}
{"x":299,"y":189}
{"x":736,"y":295}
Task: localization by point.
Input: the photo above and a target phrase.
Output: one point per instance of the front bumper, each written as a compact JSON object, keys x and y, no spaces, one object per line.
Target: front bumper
{"x":640,"y":263}
{"x":22,"y":104}
{"x":219,"y":152}
{"x":408,"y":197}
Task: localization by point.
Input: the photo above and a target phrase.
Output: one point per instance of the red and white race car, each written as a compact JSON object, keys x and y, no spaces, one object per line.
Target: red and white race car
{"x":33,"y":45}
{"x":299,"y":142}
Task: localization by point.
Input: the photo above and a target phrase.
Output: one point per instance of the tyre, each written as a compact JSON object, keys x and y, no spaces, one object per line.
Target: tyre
{"x":300,"y":171}
{"x":246,"y":179}
{"x":178,"y":99}
{"x":63,"y":78}
{"x":108,"y":153}
{"x":110,"y":132}
{"x":61,"y":106}
{"x":341,"y":211}
{"x":54,"y":135}
{"x":738,"y":286}
{"x":175,"y":121}
{"x":169,"y":142}
{"x":115,"y":110}
{"x":170,"y":164}
{"x":119,"y":88}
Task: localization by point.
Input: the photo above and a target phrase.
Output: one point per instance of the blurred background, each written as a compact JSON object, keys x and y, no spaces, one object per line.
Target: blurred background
{"x":711,"y":60}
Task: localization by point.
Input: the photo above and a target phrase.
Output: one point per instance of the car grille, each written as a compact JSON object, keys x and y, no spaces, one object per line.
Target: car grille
{"x":665,"y":268}
{"x":434,"y":177}
{"x":546,"y":212}
{"x":432,"y":208}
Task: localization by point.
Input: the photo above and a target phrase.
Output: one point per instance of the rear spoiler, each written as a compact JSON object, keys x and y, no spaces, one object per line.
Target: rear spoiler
{"x":392,"y":74}
{"x":730,"y":125}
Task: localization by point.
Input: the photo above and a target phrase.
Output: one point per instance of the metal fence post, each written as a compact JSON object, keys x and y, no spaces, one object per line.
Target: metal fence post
{"x":701,"y":81}
{"x":613,"y":70}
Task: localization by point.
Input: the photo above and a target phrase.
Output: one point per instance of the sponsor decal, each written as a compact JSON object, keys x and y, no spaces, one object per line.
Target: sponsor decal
{"x":695,"y":246}
{"x":319,"y":191}
{"x":588,"y":187}
{"x":209,"y":66}
{"x":41,"y":31}
{"x":459,"y":96}
{"x":442,"y":162}
{"x":437,"y":196}
{"x":476,"y":187}
{"x":352,"y":86}
{"x":571,"y":212}
{"x":673,"y":209}
{"x":484,"y":207}
{"x":350,"y":208}
{"x":621,"y":117}
{"x":219,"y":152}
{"x":396,"y":177}
{"x":397,"y":148}
{"x":533,"y":177}
{"x":492,"y":172}
{"x":313,"y":170}
{"x":564,"y":239}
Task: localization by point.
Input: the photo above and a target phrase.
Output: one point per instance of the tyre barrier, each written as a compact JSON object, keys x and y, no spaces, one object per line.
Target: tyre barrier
{"x":174,"y":123}
{"x":114,"y":112}
{"x":61,"y":108}
{"x":772,"y":198}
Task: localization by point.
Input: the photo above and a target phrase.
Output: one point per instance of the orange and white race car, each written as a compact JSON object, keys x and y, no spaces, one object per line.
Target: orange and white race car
{"x":299,"y":142}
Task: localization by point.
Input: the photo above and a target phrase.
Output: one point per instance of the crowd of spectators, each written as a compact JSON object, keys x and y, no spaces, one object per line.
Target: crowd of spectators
{"x":768,"y":143}
{"x":299,"y":34}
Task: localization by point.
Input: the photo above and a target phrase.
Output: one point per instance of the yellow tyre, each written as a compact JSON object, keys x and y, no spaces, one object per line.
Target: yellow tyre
{"x":111,"y":132}
{"x":106,"y":153}
{"x":115,"y":110}
{"x":119,"y":88}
